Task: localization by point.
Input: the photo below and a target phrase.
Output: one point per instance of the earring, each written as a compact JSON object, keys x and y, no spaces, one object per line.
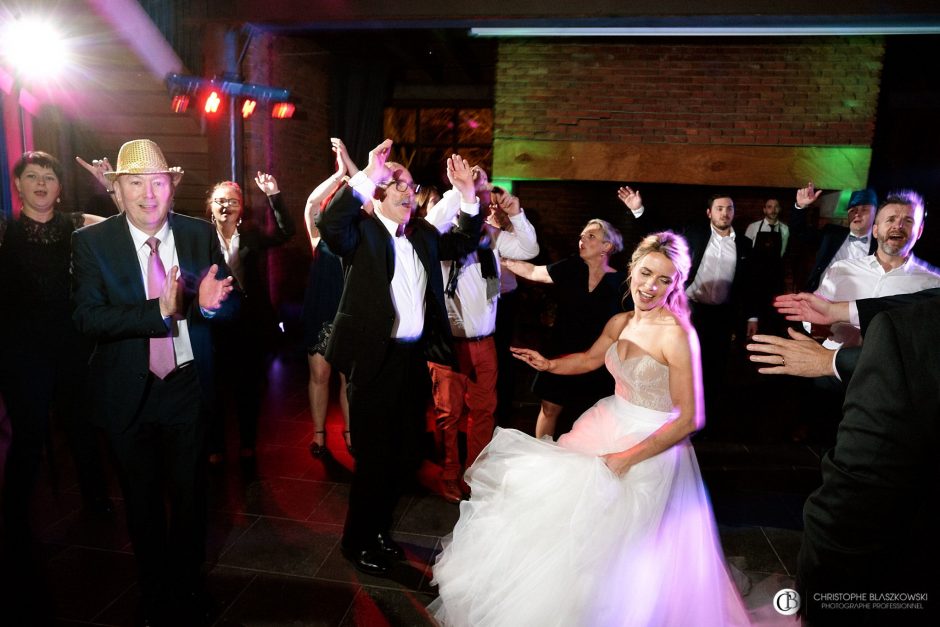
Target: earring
{"x":58,"y":200}
{"x":239,"y":223}
{"x":212,"y":219}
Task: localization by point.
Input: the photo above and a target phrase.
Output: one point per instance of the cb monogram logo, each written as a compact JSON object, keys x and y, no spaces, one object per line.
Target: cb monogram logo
{"x":787,"y":602}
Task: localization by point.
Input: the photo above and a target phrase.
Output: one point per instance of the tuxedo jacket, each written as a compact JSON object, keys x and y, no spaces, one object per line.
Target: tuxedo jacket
{"x":697,"y":235}
{"x":872,"y":525}
{"x":111,"y":305}
{"x":868,"y":308}
{"x":362,"y":328}
{"x":827,"y":242}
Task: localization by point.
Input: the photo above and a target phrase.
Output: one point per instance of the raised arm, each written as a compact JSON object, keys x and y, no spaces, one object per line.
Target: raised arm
{"x":344,"y":169}
{"x":632,"y":199}
{"x":577,"y":363}
{"x":338,"y":223}
{"x":284,"y":226}
{"x":526,"y":270}
{"x":681,"y":350}
{"x":97,"y":168}
{"x":521,"y":242}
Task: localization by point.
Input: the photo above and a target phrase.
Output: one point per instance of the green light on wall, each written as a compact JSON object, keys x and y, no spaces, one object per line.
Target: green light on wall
{"x":506,"y":184}
{"x":842,"y":206}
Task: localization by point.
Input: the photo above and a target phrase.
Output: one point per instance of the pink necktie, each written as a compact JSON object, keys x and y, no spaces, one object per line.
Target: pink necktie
{"x":162,"y":355}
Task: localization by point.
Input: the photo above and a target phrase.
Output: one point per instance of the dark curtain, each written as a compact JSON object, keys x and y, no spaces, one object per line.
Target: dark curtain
{"x":360,"y":89}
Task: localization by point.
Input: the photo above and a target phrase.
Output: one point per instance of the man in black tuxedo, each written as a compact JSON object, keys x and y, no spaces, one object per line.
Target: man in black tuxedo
{"x":835,"y":242}
{"x":871,"y":527}
{"x":150,"y":376}
{"x":716,"y":291}
{"x":391,"y":321}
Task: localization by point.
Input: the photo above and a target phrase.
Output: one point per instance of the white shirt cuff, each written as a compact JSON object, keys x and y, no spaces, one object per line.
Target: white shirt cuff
{"x":853,"y":314}
{"x":835,"y":371}
{"x":637,"y":213}
{"x":362,"y":186}
{"x":470,"y":208}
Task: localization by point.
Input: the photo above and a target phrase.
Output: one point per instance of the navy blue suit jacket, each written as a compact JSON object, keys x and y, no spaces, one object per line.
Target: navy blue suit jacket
{"x":111,"y":306}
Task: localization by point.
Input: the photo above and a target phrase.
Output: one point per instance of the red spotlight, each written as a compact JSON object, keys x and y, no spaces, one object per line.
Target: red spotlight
{"x":248,"y":108}
{"x":282,"y":111}
{"x":212,"y":103}
{"x":180,"y":103}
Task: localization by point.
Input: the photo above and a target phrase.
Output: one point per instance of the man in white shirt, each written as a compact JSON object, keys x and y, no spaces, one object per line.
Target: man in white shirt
{"x":471,"y":296}
{"x":391,"y":321}
{"x":769,"y":238}
{"x":715,"y":290}
{"x":145,"y":288}
{"x":892,"y":269}
{"x":835,"y":242}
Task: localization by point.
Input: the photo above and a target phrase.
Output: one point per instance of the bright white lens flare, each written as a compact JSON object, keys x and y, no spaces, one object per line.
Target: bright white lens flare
{"x":33,"y":48}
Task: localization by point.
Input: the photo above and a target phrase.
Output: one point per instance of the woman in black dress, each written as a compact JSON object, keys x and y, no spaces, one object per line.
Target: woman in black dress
{"x":589,"y":293}
{"x":42,"y":355}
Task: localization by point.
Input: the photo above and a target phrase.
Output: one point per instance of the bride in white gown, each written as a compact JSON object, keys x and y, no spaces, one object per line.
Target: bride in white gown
{"x":611,"y":525}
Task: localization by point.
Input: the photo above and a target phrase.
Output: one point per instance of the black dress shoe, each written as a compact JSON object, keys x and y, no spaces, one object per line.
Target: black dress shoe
{"x":371,"y":562}
{"x":389,"y":548}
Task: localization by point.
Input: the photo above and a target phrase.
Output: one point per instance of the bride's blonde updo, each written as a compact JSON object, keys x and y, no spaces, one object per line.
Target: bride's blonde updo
{"x":675,"y":249}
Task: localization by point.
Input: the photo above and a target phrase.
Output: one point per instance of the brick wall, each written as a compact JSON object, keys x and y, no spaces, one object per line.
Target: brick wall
{"x":788,"y":91}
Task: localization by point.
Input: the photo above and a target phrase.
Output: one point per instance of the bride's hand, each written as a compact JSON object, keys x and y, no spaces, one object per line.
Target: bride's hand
{"x":617,"y":463}
{"x":531,"y":357}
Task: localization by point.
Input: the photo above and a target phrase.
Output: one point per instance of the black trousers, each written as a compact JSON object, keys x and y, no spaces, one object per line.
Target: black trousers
{"x":714,"y":325}
{"x":387,"y":422}
{"x":162,"y":454}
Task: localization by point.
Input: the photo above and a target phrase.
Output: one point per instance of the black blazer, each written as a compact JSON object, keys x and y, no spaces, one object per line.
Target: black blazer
{"x":697,"y":235}
{"x":111,"y":306}
{"x":363,"y":325}
{"x":872,"y":525}
{"x":827,"y":242}
{"x":868,"y":308}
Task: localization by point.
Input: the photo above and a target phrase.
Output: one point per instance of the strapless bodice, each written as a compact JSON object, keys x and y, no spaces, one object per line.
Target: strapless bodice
{"x":641,"y":380}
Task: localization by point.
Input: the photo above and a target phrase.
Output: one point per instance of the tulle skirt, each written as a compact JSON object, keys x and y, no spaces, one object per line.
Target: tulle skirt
{"x":552,"y":537}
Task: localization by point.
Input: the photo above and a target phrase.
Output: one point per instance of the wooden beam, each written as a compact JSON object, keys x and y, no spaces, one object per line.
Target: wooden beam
{"x":830,"y":167}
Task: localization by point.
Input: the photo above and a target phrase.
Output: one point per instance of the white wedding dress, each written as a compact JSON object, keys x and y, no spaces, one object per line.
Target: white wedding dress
{"x":552,"y":537}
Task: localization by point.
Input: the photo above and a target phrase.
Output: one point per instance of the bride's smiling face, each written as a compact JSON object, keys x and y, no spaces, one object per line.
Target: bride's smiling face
{"x":652,"y":281}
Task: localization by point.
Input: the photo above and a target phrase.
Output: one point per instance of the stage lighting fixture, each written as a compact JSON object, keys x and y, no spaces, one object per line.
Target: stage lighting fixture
{"x":248,"y":108}
{"x":212,"y":103}
{"x":282,"y":110}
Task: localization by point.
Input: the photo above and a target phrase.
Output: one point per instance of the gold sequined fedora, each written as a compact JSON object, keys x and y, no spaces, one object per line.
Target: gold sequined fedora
{"x":142,"y":156}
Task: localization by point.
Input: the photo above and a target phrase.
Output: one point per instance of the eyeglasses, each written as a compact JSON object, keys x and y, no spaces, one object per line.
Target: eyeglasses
{"x":227,"y":202}
{"x":402,"y":185}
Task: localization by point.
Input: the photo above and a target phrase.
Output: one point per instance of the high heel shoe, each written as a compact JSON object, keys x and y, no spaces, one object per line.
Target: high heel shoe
{"x":348,"y":439}
{"x":319,"y":451}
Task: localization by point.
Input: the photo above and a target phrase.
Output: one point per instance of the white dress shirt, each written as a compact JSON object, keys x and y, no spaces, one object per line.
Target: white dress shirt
{"x":853,"y":279}
{"x":410,"y":280}
{"x":520,"y":243}
{"x":852,"y":248}
{"x":232,"y":258}
{"x":712,"y":283}
{"x":761,"y":226}
{"x":167,"y":249}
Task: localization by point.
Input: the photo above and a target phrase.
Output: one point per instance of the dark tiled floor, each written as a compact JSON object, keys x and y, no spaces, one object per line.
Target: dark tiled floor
{"x":274,"y":527}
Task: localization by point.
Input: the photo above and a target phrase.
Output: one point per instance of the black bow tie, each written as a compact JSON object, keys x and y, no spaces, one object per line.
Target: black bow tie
{"x":863,"y":239}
